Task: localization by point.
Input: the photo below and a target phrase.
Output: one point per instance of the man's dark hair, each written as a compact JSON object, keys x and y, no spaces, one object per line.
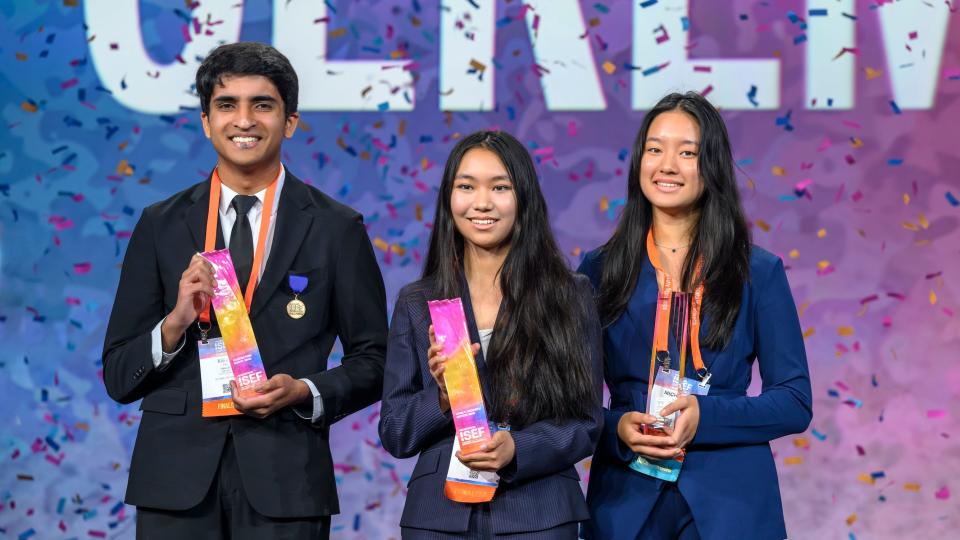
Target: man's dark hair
{"x":248,"y":58}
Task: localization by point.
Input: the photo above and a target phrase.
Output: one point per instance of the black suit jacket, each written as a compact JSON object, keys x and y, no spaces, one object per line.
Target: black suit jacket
{"x":285,"y":461}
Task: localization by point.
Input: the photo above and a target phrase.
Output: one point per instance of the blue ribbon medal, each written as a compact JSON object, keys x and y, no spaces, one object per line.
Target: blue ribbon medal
{"x":296,"y":309}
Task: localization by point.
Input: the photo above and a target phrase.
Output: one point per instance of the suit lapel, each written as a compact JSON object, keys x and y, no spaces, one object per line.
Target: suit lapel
{"x":293,"y":222}
{"x":474,"y":337}
{"x":196,"y":215}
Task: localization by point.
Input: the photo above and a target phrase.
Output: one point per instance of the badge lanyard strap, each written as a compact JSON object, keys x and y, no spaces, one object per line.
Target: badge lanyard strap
{"x":661,"y":328}
{"x":210,"y":239}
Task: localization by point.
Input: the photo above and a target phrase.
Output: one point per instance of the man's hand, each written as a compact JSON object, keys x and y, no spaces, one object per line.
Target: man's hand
{"x":277,"y":392}
{"x":493,"y":456}
{"x":193,"y":296}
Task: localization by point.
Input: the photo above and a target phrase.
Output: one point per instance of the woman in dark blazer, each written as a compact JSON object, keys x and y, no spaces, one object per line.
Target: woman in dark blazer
{"x":536,"y":336}
{"x":684,"y":212}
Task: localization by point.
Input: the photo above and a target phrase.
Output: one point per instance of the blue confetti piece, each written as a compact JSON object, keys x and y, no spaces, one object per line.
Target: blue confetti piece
{"x":895,"y":161}
{"x":426,"y":139}
{"x":849,"y":16}
{"x":343,"y":191}
{"x":60,"y":504}
{"x":799,"y":39}
{"x":833,"y":393}
{"x":116,"y":508}
{"x":26,"y":534}
{"x":356,"y":522}
{"x":622,"y":155}
{"x":648,"y":3}
{"x":685,"y":23}
{"x":601,"y":8}
{"x":950,"y":199}
{"x":818,"y":435}
{"x":817,"y":12}
{"x":52,"y":443}
{"x":503,"y":21}
{"x":793,"y":17}
{"x":128,"y":210}
{"x":745,"y":162}
{"x":878,"y":474}
{"x":752,"y":95}
{"x":330,"y":6}
{"x":893,"y":105}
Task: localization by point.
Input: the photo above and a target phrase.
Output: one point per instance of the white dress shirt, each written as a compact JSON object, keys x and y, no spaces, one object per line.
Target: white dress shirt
{"x":162,"y":359}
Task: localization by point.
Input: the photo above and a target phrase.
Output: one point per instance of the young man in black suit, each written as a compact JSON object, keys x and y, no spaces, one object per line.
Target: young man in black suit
{"x":266,"y":473}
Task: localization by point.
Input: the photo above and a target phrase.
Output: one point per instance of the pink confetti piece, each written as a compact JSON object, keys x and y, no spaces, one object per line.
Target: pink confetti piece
{"x":943,"y":493}
{"x":82,"y":268}
{"x":936,"y":413}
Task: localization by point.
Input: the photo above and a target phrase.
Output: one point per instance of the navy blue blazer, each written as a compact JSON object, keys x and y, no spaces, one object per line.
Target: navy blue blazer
{"x":538,"y":490}
{"x":728,"y":478}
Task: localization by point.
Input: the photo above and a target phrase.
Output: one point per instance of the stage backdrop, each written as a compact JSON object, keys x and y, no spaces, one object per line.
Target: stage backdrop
{"x":843,"y":117}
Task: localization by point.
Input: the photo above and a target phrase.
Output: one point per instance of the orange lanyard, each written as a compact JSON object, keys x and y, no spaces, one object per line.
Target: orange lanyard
{"x":661,"y":327}
{"x":210,"y":240}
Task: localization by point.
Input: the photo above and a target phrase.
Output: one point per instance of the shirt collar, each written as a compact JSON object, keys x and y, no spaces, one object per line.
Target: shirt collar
{"x":227,"y":194}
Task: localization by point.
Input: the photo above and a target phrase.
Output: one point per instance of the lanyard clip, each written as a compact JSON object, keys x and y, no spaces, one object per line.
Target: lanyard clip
{"x":663,"y":360}
{"x":204,"y":331}
{"x":704,"y":376}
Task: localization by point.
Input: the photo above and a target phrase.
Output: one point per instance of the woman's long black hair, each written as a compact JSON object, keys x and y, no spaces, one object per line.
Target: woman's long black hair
{"x":537,"y":360}
{"x":720,"y":236}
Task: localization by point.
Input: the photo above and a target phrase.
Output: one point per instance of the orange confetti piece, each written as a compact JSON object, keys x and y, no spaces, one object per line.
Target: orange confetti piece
{"x":923,"y":221}
{"x":801,"y":442}
{"x":856,"y":142}
{"x":398,"y":250}
{"x":794,"y":253}
{"x":803,"y":307}
{"x":576,"y":251}
{"x":424,"y":163}
{"x":82,"y":426}
{"x":609,"y":67}
{"x":933,"y":298}
{"x":906,"y":198}
{"x":873,"y":73}
{"x":866,"y":479}
{"x":604,"y":203}
{"x":808,"y":332}
{"x":763,"y":225}
{"x":911,"y":486}
{"x":845,"y":331}
{"x":477,"y":65}
{"x":337,"y":32}
{"x":124,"y":168}
{"x":910,"y":226}
{"x":418,"y":211}
{"x":381,"y":244}
{"x":365,"y":155}
{"x":821,"y":233}
{"x":29,"y":107}
{"x":851,"y":519}
{"x":793,"y":460}
{"x":303,"y":125}
{"x":779,"y":171}
{"x":823,"y":265}
{"x":22,"y":56}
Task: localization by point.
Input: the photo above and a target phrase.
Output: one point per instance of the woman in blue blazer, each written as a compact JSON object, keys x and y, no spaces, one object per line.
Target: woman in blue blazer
{"x":539,"y":356}
{"x":684,"y":205}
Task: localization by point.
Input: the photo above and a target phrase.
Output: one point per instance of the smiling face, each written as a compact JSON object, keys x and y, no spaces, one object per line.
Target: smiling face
{"x":669,"y":176}
{"x":483,"y":202}
{"x":247,"y":123}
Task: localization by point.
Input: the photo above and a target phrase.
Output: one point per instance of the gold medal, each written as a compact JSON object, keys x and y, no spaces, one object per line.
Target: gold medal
{"x":296,"y":308}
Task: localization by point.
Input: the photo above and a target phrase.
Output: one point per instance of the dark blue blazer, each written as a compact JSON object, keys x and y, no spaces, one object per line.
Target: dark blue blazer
{"x":728,"y":478}
{"x":538,"y":490}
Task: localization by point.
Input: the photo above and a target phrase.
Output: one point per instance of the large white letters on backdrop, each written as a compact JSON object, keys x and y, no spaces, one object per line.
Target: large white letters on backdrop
{"x":913,"y":32}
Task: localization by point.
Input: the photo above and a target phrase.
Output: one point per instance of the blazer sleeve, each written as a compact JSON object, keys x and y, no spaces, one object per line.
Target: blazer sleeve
{"x":410,"y":415}
{"x":360,"y":313}
{"x":610,"y":444}
{"x":128,"y":370}
{"x":548,"y":447}
{"x":784,"y":405}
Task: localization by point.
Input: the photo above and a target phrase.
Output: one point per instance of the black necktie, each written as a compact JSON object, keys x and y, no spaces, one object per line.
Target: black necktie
{"x":241,"y":239}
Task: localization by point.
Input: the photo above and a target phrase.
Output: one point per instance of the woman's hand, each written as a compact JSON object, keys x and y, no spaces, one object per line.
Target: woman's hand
{"x":493,"y":456}
{"x":687,"y":422}
{"x":630,"y":431}
{"x":435,"y":363}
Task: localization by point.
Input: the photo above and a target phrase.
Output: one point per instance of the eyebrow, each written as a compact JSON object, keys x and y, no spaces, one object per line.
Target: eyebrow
{"x":685,"y":141}
{"x":255,"y":99}
{"x":466,"y":176}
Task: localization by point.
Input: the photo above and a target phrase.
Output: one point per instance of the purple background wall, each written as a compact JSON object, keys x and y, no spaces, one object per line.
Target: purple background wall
{"x":871,"y":242}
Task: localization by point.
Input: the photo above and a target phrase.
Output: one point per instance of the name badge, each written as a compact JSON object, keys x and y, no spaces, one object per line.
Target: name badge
{"x":215,"y":376}
{"x":666,"y":390}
